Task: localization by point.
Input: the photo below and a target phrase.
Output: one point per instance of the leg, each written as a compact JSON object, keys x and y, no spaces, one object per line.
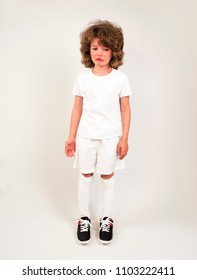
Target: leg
{"x":108,"y":193}
{"x":84,"y":222}
{"x":88,"y":175}
{"x":83,"y":193}
{"x":107,"y":176}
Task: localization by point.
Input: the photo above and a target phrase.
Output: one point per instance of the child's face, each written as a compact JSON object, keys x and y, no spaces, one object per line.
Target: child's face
{"x":100,"y":55}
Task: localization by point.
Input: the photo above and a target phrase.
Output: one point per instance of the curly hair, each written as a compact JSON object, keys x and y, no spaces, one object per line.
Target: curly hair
{"x":109,"y":34}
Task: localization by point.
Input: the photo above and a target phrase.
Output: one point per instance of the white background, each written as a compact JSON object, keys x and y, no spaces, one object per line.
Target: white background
{"x":155,"y":208}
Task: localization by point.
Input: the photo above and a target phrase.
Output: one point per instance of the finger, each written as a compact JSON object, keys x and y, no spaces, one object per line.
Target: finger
{"x":66,"y":149}
{"x":122,"y":154}
{"x":118,"y":150}
{"x":67,"y":153}
{"x":71,"y":152}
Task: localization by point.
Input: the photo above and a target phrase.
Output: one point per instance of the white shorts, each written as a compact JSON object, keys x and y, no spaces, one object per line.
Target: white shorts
{"x":97,"y":156}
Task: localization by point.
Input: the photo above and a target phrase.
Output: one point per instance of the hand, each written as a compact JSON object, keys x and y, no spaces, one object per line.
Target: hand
{"x":70,"y":148}
{"x":122,"y":148}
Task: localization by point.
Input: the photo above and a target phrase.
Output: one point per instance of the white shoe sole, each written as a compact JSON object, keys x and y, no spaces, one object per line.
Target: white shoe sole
{"x":84,"y":242}
{"x":105,"y":242}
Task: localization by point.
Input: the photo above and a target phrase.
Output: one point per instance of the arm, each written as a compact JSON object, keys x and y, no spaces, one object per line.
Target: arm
{"x":70,"y":145}
{"x":122,"y":147}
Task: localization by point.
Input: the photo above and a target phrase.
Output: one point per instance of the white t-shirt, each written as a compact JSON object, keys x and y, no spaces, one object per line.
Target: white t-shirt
{"x":101,"y":117}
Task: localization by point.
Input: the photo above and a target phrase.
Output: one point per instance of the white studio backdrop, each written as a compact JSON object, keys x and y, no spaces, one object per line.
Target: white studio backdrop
{"x":40,"y":58}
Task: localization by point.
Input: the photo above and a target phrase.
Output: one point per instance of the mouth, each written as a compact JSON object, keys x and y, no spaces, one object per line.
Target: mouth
{"x":99,"y":59}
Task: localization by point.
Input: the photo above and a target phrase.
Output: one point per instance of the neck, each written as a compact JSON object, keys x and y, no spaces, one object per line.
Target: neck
{"x":101,"y":71}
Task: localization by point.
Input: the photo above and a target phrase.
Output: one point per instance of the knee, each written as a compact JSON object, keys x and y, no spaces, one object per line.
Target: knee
{"x":107,"y":176}
{"x":87,"y":175}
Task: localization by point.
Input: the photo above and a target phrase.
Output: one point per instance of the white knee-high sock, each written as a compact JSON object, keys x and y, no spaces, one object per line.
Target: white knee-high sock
{"x":108,"y":196}
{"x":84,"y":194}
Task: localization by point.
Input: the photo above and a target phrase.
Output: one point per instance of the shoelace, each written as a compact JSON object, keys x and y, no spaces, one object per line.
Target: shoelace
{"x":84,"y":225}
{"x":105,"y":225}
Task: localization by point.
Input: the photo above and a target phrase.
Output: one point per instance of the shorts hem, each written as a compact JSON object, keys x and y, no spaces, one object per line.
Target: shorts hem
{"x":100,"y":172}
{"x":109,"y":172}
{"x":85,"y":171}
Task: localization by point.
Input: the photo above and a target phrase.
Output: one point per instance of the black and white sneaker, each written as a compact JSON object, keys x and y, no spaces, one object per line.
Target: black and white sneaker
{"x":83,"y":230}
{"x":106,"y":230}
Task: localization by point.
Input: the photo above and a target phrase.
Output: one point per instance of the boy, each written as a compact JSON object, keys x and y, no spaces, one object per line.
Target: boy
{"x":100,"y":121}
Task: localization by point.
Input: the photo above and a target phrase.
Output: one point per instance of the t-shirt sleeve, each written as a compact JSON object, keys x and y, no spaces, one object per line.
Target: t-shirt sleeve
{"x":126,"y":88}
{"x":76,"y":87}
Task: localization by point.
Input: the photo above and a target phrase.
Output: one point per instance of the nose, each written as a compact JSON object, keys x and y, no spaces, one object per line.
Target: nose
{"x":99,"y":51}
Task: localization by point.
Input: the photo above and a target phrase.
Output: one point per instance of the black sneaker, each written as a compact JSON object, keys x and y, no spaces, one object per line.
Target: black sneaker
{"x":83,"y":230}
{"x":106,"y":230}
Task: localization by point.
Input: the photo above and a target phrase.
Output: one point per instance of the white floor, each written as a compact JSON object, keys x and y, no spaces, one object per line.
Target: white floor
{"x":38,"y":223}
